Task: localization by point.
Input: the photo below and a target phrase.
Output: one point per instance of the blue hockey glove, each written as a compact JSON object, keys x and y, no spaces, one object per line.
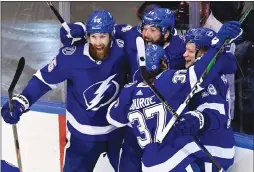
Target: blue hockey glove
{"x":20,"y":106}
{"x":77,"y":34}
{"x":230,"y":30}
{"x":190,"y":123}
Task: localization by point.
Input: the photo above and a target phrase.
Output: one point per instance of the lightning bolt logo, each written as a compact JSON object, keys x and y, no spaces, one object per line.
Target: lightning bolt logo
{"x":100,"y":93}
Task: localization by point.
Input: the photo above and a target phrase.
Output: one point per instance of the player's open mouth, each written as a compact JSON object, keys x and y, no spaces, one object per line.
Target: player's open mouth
{"x":99,"y":49}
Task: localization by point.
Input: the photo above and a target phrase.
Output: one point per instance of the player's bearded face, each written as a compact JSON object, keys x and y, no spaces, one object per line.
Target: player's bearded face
{"x":99,"y":45}
{"x":189,"y":54}
{"x":151,"y":35}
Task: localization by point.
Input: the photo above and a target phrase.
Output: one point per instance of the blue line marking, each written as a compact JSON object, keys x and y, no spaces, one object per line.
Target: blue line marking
{"x":43,"y":106}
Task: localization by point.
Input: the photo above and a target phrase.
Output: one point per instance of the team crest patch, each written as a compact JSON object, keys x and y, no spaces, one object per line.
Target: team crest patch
{"x":212,"y":90}
{"x":120,"y":43}
{"x":69,"y":50}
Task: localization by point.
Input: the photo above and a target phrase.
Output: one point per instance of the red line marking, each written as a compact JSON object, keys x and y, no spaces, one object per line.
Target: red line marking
{"x":62,"y":137}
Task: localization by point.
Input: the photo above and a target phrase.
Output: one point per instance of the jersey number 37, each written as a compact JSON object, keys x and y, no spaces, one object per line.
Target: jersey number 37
{"x":158,"y":111}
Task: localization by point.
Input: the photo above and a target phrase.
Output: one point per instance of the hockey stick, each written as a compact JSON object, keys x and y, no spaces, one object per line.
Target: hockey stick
{"x":59,"y":17}
{"x":193,"y":90}
{"x":63,"y":23}
{"x":141,"y":54}
{"x":18,"y":72}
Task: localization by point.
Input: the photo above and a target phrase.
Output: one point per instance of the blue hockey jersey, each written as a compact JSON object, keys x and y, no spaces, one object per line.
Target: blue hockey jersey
{"x":174,"y":52}
{"x":219,"y":138}
{"x":138,"y":106}
{"x":121,"y":31}
{"x":91,"y":87}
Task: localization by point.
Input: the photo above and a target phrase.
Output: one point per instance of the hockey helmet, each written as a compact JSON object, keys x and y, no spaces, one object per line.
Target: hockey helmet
{"x":202,"y":37}
{"x":160,"y":17}
{"x":154,"y":55}
{"x":100,"y":21}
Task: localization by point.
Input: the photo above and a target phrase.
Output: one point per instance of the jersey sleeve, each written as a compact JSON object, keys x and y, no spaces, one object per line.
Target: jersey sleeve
{"x":226,"y":64}
{"x":195,"y":72}
{"x":228,"y":58}
{"x":47,"y":78}
{"x":58,"y":70}
{"x":182,"y":81}
{"x":175,"y":53}
{"x":122,"y":30}
{"x":131,"y":52}
{"x":118,"y":110}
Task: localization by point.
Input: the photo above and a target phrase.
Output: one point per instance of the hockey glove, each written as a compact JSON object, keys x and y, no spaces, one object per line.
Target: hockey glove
{"x":20,"y":106}
{"x":77,"y":34}
{"x":190,"y":123}
{"x":230,"y":30}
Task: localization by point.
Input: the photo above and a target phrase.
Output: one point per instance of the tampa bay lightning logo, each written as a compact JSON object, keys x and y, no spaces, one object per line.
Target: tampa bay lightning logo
{"x":106,"y":92}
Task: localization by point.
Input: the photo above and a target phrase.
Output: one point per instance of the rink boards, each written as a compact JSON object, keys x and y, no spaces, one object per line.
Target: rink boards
{"x":42,"y":135}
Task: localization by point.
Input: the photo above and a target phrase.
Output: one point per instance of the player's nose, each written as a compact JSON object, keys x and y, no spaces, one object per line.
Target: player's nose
{"x":185,"y":54}
{"x":98,"y":42}
{"x":146,"y":33}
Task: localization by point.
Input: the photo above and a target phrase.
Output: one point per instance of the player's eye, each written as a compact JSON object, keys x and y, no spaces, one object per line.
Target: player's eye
{"x":145,"y":29}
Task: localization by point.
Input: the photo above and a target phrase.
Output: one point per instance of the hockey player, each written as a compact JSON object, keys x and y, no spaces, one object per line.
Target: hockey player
{"x":138,"y":106}
{"x":95,"y":73}
{"x":78,"y":33}
{"x":156,"y":27}
{"x":212,"y":101}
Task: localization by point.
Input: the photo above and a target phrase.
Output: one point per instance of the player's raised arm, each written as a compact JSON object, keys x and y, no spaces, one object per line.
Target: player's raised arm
{"x":196,"y":38}
{"x":77,"y":34}
{"x":43,"y":81}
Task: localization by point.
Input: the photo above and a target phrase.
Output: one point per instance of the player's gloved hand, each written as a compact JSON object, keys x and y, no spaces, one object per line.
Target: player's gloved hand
{"x":190,"y":123}
{"x":230,"y":30}
{"x":20,"y":106}
{"x":77,"y":33}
